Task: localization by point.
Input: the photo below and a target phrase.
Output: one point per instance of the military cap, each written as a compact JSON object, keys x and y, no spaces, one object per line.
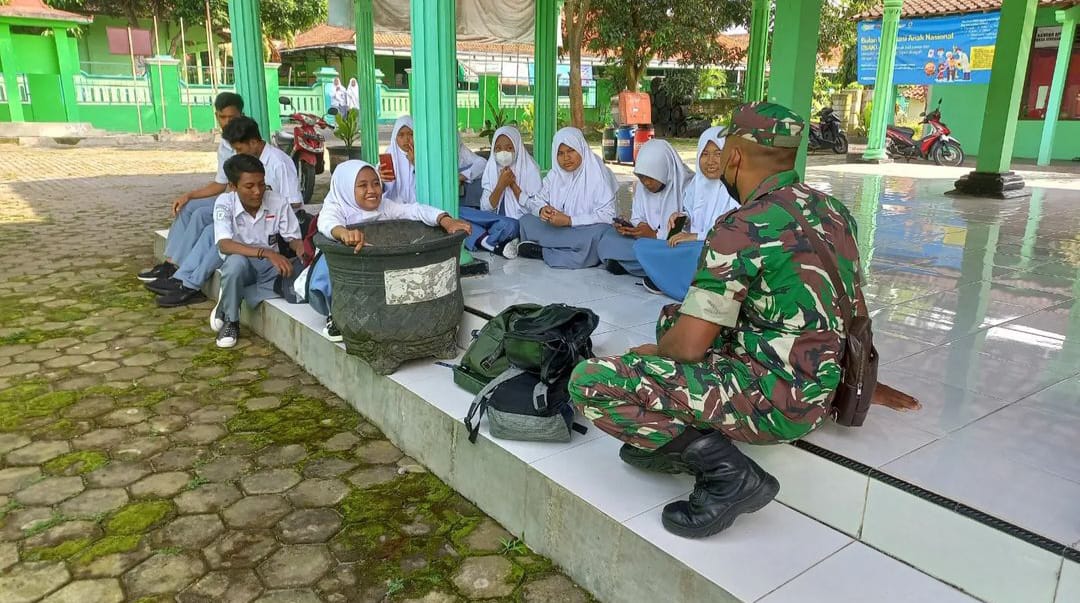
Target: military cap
{"x":767,"y":124}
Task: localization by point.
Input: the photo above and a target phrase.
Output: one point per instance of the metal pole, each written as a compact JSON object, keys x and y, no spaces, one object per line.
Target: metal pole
{"x":134,"y":79}
{"x":160,"y":80}
{"x":210,"y":53}
{"x":183,"y":63}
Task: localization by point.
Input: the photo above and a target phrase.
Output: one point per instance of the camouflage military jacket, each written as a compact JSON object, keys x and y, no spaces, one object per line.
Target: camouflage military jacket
{"x":760,"y":279}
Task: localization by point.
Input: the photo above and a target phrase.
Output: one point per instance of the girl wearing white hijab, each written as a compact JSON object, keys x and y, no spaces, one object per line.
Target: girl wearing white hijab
{"x":670,"y":265}
{"x":510,"y":176}
{"x":575,"y":206}
{"x":356,"y":197}
{"x":470,"y":169}
{"x":339,"y":96}
{"x":662,"y":181}
{"x":400,"y":185}
{"x":354,"y":94}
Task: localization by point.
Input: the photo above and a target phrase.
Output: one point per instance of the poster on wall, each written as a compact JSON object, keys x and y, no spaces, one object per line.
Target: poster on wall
{"x":957,"y":49}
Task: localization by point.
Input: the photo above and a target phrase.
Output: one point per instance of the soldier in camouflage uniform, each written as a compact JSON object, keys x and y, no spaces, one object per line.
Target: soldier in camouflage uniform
{"x":753,"y":352}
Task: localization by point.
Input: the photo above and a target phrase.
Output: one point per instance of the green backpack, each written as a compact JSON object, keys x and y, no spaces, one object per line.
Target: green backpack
{"x":545,"y":340}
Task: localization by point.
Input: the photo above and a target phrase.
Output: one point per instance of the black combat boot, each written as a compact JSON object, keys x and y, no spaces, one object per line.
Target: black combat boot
{"x":728,"y":485}
{"x":665,"y":459}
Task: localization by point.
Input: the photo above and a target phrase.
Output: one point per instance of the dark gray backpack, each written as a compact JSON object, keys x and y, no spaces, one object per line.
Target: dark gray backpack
{"x":520,"y":406}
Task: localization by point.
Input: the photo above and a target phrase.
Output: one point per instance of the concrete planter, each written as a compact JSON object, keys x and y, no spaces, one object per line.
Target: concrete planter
{"x":339,"y":155}
{"x":400,"y":298}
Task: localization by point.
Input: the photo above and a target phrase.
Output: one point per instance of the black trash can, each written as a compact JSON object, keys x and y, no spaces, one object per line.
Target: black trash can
{"x":400,"y":298}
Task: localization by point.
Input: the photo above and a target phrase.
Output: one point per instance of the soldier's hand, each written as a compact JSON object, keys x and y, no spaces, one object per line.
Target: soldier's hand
{"x":648,"y":349}
{"x":893,"y":398}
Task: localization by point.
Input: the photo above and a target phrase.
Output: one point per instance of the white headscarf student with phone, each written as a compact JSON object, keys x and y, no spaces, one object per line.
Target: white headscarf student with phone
{"x":662,"y":181}
{"x":510,"y":175}
{"x":575,"y":206}
{"x":669,"y":265}
{"x":400,"y":185}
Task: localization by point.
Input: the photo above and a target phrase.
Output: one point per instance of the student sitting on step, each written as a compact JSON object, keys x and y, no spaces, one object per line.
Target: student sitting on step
{"x":470,"y":171}
{"x":670,"y":264}
{"x":575,"y":206}
{"x":399,"y":182}
{"x":356,"y":197}
{"x":185,"y":286}
{"x":510,"y":176}
{"x":248,"y":223}
{"x":662,"y":181}
{"x":183,"y":235}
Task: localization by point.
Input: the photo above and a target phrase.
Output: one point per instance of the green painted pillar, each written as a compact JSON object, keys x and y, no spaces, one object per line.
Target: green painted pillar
{"x":992,"y":177}
{"x":883,"y":105}
{"x":1068,"y":19}
{"x":368,"y":81}
{"x":490,"y":92}
{"x":794,"y":59}
{"x":250,"y":76}
{"x":67,"y":54}
{"x":163,"y":75}
{"x":434,"y":102}
{"x":758,"y":54}
{"x":545,"y":90}
{"x":273,"y":92}
{"x":11,"y":73}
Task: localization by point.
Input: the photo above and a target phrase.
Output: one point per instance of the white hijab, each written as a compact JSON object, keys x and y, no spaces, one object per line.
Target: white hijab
{"x":354,"y":94}
{"x":340,"y":207}
{"x":582,"y":191}
{"x":525,"y":169}
{"x":403,"y":188}
{"x":706,"y":199}
{"x":658,"y":160}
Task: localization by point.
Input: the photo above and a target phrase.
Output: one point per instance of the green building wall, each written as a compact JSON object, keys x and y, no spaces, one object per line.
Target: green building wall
{"x":964,"y":105}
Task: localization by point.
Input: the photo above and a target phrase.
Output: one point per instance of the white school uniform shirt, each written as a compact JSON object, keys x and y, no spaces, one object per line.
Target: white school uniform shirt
{"x":281,"y":174}
{"x":275,"y":220}
{"x":587,"y":194}
{"x":224,"y":151}
{"x":659,"y":160}
{"x":340,"y":208}
{"x":470,"y":164}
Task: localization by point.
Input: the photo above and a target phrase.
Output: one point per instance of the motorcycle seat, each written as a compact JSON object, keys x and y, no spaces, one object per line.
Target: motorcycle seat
{"x":908,"y":131}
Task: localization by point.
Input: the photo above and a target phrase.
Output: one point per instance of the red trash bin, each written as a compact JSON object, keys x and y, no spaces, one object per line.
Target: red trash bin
{"x":643,"y":134}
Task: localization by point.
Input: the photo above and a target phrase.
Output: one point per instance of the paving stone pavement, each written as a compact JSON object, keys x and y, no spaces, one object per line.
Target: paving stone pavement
{"x":133,"y":468}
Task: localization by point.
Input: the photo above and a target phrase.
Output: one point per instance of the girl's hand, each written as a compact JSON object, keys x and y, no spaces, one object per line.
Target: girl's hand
{"x":682,"y":237}
{"x":352,"y":238}
{"x":671,"y":219}
{"x":386,"y":173}
{"x":451,"y":225}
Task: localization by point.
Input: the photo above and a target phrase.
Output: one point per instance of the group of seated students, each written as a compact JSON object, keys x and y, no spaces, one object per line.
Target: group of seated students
{"x":566,"y":218}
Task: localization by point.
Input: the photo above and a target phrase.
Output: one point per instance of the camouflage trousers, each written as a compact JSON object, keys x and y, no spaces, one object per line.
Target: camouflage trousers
{"x":648,"y":401}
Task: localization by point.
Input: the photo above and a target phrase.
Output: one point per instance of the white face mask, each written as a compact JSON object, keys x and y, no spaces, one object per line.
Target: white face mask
{"x":504,"y":158}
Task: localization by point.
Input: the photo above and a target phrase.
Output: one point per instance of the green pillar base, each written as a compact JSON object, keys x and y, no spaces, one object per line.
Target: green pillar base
{"x":991,"y":185}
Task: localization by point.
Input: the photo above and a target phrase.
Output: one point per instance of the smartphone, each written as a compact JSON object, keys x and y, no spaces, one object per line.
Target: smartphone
{"x":386,"y":163}
{"x":680,"y":224}
{"x":623,"y":222}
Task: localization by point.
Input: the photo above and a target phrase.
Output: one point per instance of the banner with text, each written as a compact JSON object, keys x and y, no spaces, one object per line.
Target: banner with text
{"x":957,"y":49}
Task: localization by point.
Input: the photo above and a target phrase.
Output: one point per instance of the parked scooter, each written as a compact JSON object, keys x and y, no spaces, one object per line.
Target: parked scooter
{"x":827,"y":133}
{"x":305,"y":145}
{"x":937,"y":146}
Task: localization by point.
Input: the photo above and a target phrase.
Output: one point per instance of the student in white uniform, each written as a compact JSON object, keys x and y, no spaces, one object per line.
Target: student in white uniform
{"x":248,"y":223}
{"x":670,"y":265}
{"x":185,"y":286}
{"x":182,"y":236}
{"x":662,"y":182}
{"x":575,"y":206}
{"x":470,"y":171}
{"x":356,"y":197}
{"x":399,"y":184}
{"x":510,"y":177}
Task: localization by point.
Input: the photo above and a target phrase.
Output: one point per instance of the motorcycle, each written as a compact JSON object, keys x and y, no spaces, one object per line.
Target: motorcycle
{"x":827,"y":133}
{"x":938,"y":145}
{"x":305,"y":145}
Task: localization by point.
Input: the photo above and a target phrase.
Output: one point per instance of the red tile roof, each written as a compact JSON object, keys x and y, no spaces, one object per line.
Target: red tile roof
{"x":928,"y":8}
{"x":36,"y":9}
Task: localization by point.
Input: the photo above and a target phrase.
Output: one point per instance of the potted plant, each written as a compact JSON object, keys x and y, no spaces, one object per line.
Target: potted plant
{"x":348,"y":132}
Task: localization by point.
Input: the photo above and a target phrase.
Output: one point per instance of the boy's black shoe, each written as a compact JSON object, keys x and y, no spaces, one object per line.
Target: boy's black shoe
{"x":331,"y":331}
{"x":614,"y":267}
{"x":228,"y":335}
{"x":530,"y":250}
{"x":181,"y":297}
{"x":165,"y":285}
{"x":164,"y":269}
{"x":651,"y":286}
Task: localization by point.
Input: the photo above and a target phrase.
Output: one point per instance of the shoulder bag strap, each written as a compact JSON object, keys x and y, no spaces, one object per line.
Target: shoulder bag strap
{"x":827,"y":256}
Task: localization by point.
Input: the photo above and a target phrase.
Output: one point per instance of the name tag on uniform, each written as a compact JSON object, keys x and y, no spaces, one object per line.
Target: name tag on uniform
{"x":272,"y":240}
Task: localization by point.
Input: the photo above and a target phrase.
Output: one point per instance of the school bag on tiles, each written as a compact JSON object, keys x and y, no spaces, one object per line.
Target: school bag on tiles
{"x":520,"y":406}
{"x":485,"y":359}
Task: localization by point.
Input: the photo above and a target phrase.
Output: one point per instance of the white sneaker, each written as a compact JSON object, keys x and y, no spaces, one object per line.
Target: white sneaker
{"x":215,"y":321}
{"x":510,"y":250}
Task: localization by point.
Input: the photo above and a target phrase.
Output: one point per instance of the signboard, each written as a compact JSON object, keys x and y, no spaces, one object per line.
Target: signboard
{"x":957,"y":49}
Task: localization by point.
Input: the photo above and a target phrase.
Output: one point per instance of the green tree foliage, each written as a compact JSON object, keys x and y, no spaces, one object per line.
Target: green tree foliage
{"x":686,"y":31}
{"x":839,"y":19}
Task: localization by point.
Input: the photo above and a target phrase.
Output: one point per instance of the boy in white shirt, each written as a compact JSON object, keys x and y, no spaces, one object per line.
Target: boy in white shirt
{"x":183,"y":234}
{"x":185,"y":286}
{"x":248,"y":222}
{"x":356,"y":197}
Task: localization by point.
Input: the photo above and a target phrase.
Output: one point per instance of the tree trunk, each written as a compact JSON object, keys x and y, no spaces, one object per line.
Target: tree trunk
{"x":574,"y":17}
